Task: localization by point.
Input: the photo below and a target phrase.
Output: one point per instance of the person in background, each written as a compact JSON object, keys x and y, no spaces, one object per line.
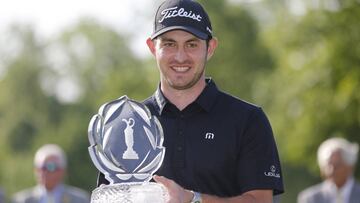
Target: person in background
{"x":337,"y":159}
{"x":50,"y":169}
{"x":2,"y":196}
{"x":218,"y":148}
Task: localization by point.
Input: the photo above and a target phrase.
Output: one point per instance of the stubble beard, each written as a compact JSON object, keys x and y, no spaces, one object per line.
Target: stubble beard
{"x":191,"y":83}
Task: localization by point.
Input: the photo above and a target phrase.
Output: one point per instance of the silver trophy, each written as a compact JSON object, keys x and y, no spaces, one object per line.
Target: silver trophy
{"x":126,"y":146}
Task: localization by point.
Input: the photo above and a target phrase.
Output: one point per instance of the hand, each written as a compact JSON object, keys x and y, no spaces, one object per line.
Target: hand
{"x":177,"y":194}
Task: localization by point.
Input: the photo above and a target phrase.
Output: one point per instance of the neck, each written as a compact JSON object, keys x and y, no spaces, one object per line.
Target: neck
{"x":182,"y":98}
{"x":340,"y":183}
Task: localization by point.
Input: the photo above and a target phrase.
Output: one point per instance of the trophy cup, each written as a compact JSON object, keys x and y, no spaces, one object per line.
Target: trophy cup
{"x":126,"y":146}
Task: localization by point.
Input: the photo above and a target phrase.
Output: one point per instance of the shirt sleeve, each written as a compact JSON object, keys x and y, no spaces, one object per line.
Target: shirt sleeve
{"x":258,"y":159}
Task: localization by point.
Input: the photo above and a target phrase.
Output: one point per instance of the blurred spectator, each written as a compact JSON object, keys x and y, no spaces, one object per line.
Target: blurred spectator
{"x":336,"y":158}
{"x":2,"y":197}
{"x":50,"y":168}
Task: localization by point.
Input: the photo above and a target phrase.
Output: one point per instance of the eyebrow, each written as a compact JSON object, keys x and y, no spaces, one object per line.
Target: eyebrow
{"x":167,"y":39}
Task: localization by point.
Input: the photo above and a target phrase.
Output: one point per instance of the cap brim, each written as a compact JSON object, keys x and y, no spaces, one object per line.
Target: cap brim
{"x":193,"y":31}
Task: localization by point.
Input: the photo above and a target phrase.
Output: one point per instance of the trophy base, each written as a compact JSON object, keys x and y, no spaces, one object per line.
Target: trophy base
{"x":130,"y":154}
{"x":130,"y":193}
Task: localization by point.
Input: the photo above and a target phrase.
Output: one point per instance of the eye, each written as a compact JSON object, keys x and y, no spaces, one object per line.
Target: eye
{"x":169,"y":44}
{"x":192,"y":45}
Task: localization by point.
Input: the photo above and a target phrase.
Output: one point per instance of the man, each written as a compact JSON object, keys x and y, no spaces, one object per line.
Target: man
{"x":218,"y":148}
{"x":337,"y":159}
{"x":2,"y":197}
{"x":50,"y":167}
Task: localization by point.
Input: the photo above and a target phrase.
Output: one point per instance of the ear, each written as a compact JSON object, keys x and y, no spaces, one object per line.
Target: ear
{"x":151,"y":44}
{"x":211,"y":48}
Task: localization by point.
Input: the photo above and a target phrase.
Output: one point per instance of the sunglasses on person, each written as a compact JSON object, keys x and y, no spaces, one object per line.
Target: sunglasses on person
{"x":50,"y":166}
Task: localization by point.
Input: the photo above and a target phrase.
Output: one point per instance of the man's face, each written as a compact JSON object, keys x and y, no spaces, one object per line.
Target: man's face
{"x":337,"y":169}
{"x":181,"y":58}
{"x":49,"y":173}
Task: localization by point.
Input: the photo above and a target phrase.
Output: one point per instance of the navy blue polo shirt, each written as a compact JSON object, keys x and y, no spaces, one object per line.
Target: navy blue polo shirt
{"x":217,"y":145}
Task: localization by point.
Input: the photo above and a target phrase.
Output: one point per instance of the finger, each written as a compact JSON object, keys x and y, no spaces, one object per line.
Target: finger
{"x":162,"y":180}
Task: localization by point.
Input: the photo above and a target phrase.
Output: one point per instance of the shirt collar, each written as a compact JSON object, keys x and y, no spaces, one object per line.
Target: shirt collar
{"x":208,"y":96}
{"x":160,"y":99}
{"x":206,"y":99}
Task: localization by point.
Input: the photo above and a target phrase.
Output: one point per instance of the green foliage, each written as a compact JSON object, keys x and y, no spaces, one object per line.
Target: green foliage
{"x":321,"y":75}
{"x":241,"y":58}
{"x":23,"y":110}
{"x":94,"y":57}
{"x":313,"y":93}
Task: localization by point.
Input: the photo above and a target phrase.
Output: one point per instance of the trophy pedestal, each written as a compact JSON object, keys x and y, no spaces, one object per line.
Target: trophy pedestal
{"x":130,"y":193}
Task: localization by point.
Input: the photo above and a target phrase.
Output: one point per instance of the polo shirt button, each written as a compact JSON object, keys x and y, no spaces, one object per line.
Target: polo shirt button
{"x":181,"y":132}
{"x":179,"y":148}
{"x":181,"y":115}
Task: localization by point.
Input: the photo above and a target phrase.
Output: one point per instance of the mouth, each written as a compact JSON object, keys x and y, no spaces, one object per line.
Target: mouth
{"x":180,"y":69}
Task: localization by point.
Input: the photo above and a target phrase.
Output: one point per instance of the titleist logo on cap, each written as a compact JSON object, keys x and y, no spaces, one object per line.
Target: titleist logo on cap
{"x":174,"y":12}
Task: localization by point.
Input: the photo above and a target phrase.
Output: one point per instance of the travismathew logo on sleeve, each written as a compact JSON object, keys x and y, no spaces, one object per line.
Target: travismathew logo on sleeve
{"x":174,"y":12}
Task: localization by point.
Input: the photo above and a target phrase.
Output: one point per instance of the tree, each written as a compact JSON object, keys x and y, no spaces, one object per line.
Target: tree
{"x":96,"y":60}
{"x":23,"y":108}
{"x":240,"y":59}
{"x":313,"y":93}
{"x":105,"y":69}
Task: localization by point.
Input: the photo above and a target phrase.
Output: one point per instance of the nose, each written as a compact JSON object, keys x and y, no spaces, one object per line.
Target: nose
{"x":180,"y":55}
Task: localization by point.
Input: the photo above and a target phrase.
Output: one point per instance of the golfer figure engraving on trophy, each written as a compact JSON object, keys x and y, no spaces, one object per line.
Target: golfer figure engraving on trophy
{"x":129,"y":140}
